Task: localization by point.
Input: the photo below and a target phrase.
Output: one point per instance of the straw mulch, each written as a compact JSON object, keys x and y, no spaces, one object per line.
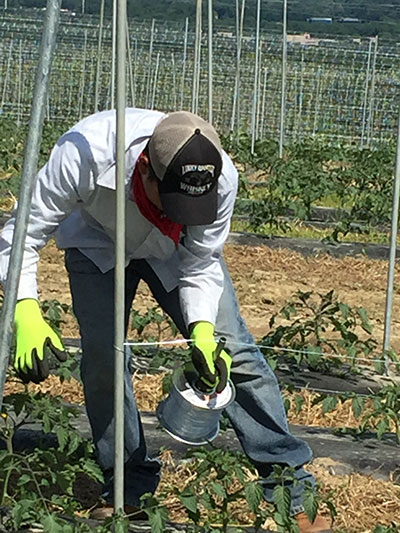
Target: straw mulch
{"x":148,"y":392}
{"x":362,"y":502}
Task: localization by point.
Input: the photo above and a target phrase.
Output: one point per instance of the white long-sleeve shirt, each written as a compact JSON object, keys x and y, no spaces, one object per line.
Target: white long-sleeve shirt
{"x":74,"y":200}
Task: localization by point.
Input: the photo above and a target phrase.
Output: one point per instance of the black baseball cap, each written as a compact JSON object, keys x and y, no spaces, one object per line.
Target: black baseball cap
{"x":185,"y":155}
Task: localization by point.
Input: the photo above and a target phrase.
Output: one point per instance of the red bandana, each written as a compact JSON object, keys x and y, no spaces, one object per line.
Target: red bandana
{"x":151,"y":212}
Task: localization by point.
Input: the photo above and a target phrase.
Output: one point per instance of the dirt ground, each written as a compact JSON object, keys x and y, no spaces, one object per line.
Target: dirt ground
{"x":264,"y":280}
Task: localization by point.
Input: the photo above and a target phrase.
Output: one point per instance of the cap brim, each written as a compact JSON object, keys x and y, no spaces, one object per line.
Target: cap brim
{"x":191,"y":210}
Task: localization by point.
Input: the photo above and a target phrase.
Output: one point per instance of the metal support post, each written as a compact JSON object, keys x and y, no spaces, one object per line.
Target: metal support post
{"x":130,"y":70}
{"x":149,"y":73}
{"x":119,"y":295}
{"x":99,"y":58}
{"x":370,"y":127}
{"x":283,"y":82}
{"x":256,"y":72}
{"x":27,"y":184}
{"x":392,"y":253}
{"x":364,"y":113}
{"x":210,"y":63}
{"x":197,"y":58}
{"x":184,"y":62}
{"x":113,"y":47}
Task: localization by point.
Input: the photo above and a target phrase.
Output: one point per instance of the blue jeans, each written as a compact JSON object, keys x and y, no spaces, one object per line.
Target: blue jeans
{"x":257,"y":414}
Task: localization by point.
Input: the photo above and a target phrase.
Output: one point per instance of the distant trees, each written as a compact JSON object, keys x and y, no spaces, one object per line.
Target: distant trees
{"x":377,"y":17}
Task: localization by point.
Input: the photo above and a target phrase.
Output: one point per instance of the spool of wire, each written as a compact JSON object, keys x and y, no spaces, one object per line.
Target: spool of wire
{"x":190,"y":415}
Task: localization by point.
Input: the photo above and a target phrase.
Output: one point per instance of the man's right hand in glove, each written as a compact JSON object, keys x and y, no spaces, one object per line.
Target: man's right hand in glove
{"x":213,"y":371}
{"x":33,"y":338}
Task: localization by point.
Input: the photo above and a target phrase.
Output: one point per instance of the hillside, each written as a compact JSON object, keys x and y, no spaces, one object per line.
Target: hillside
{"x":375,"y":18}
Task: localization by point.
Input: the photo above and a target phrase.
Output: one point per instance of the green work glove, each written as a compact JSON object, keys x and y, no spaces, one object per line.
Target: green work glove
{"x":212,"y":374}
{"x":34,"y":337}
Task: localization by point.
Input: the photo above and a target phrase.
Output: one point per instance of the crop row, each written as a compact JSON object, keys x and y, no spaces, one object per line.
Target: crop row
{"x":332,"y":89}
{"x":312,"y":173}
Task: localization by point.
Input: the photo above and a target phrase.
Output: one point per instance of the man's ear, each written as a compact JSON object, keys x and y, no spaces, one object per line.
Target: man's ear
{"x":143,"y":164}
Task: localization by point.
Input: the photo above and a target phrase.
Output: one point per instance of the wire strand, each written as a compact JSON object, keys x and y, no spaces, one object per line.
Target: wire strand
{"x":262,"y":346}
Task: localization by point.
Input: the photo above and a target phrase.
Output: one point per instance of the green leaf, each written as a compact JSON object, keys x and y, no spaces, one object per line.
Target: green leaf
{"x":329,"y":404}
{"x":282,"y":499}
{"x":310,"y":503}
{"x":158,"y":519}
{"x":253,"y":492}
{"x":299,"y":402}
{"x":218,"y":489}
{"x":365,"y":323}
{"x":50,"y":523}
{"x":382,"y":428}
{"x":357,"y":405}
{"x":189,"y":501}
{"x":62,"y":437}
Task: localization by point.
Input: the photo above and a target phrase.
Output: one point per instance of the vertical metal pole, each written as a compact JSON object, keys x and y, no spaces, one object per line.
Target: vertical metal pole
{"x":197,"y":56}
{"x":113,"y":47}
{"x":149,"y":76}
{"x":155,"y":79}
{"x":119,"y":296}
{"x":237,"y":86}
{"x":316,"y":108}
{"x":259,"y":92}
{"x":6,"y":77}
{"x":134,"y":72}
{"x":372,"y":96}
{"x":27,"y":184}
{"x":392,"y":253}
{"x":184,"y":61}
{"x":300,"y":111}
{"x":264,"y":90}
{"x":82,"y":88}
{"x":364,"y":114}
{"x":237,"y":65}
{"x":174,"y":95}
{"x":210,"y":63}
{"x":283,"y":82}
{"x":130,"y":70}
{"x":19,"y":87}
{"x":99,"y":58}
{"x":255,"y":87}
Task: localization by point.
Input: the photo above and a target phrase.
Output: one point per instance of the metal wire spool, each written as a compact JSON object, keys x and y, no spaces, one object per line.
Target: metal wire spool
{"x":190,"y":416}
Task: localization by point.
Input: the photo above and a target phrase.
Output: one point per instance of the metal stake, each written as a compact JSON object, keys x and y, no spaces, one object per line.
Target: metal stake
{"x":82,"y":88}
{"x":197,"y":58}
{"x":184,"y":61}
{"x":236,"y":93}
{"x":119,"y":295}
{"x":155,"y":80}
{"x":130,"y":71}
{"x":99,"y":58}
{"x":210,"y":63}
{"x":27,"y":184}
{"x":392,"y":252}
{"x":364,"y":114}
{"x":149,"y":64}
{"x":255,"y":88}
{"x":283,"y":82}
{"x":372,"y":96}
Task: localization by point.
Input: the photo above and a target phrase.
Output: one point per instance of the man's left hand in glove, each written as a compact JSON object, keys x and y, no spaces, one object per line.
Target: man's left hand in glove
{"x":34,"y":337}
{"x":213,"y":374}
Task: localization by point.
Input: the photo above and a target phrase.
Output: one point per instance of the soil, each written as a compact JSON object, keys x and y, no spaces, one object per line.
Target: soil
{"x":265,"y":280}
